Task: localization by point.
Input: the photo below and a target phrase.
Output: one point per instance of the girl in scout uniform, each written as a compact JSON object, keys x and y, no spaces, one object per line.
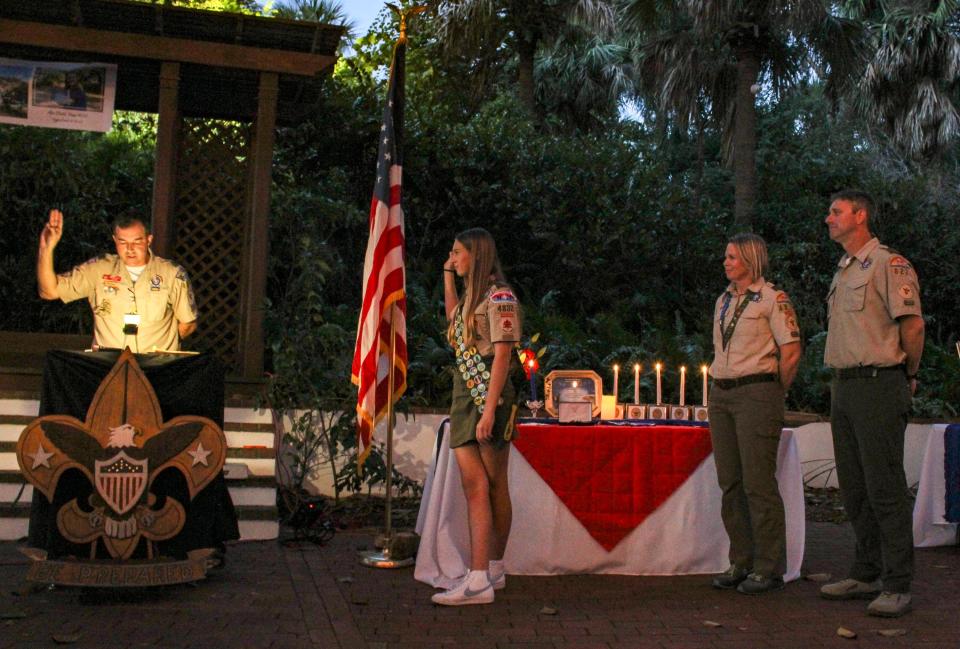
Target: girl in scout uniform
{"x":484,"y":326}
{"x":756,"y":344}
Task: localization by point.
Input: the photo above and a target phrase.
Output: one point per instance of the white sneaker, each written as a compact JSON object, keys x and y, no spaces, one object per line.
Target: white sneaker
{"x":498,"y":577}
{"x":475,"y":589}
{"x":890,"y":604}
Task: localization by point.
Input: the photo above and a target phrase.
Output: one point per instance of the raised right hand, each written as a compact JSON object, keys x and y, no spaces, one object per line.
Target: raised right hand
{"x":52,"y":231}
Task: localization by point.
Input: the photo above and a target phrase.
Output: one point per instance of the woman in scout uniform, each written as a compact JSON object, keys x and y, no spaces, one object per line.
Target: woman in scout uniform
{"x":756,"y":345}
{"x":484,"y":326}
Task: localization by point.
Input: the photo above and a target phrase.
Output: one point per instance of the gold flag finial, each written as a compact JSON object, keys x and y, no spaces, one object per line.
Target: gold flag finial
{"x":412,"y":11}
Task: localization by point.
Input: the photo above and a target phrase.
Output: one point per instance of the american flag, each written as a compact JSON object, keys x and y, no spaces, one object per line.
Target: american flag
{"x":384,"y":277}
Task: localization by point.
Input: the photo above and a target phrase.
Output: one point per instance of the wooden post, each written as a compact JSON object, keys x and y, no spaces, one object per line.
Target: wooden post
{"x":253,"y":288}
{"x":165,"y":161}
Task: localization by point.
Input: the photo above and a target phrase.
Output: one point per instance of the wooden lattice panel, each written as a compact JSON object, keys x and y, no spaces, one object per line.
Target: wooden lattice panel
{"x":211,"y":186}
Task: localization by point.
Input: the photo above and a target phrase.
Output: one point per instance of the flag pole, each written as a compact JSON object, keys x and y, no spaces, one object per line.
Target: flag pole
{"x":383,"y":558}
{"x":388,"y":510}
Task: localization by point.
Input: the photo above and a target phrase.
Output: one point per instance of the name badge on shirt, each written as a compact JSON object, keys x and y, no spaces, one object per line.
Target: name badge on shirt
{"x":131,"y":324}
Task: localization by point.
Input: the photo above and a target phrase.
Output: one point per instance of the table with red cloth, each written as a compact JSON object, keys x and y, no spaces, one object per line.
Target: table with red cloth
{"x":627,"y":498}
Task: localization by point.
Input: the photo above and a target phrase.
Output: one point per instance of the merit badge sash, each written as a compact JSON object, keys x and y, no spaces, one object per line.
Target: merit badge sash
{"x":471,"y":365}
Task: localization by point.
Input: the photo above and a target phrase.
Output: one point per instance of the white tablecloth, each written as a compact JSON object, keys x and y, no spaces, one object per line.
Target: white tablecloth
{"x":684,"y":535}
{"x":929,"y":527}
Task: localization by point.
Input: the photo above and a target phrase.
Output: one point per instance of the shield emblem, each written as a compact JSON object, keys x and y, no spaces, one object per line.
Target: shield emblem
{"x":121,"y":481}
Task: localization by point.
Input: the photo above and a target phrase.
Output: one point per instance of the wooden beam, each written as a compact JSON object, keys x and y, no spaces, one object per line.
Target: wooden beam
{"x":163,"y":48}
{"x":165,"y":160}
{"x":253,"y":288}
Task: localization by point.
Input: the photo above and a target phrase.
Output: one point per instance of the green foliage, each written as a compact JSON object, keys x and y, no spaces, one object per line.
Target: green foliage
{"x":234,"y":6}
{"x":309,"y":342}
{"x":613,"y":238}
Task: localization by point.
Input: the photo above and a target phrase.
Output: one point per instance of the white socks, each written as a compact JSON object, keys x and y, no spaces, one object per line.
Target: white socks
{"x":498,"y":577}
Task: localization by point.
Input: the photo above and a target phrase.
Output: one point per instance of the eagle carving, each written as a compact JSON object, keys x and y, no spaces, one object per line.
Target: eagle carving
{"x":121,"y":447}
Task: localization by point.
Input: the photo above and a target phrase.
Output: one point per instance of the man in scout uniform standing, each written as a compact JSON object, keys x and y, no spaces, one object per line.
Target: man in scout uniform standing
{"x":139,"y":300}
{"x":874,"y":343}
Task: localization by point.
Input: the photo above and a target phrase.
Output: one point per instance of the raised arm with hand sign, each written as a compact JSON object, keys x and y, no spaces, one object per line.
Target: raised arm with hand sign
{"x":49,"y":238}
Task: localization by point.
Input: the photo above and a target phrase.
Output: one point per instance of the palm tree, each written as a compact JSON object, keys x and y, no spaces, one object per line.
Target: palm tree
{"x":481,"y":28}
{"x":327,"y":12}
{"x":911,"y":81}
{"x":582,"y":78}
{"x":717,"y":55}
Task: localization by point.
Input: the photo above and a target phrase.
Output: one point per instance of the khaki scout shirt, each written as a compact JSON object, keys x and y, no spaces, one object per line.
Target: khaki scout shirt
{"x":496,"y":320}
{"x":870,"y":290}
{"x":767,"y":322}
{"x":162,"y":297}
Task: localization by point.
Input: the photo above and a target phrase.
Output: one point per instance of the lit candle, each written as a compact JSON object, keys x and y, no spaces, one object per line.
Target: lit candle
{"x":703,"y":370}
{"x":616,"y":382}
{"x":659,"y":392}
{"x":636,"y":384}
{"x":683,"y":384}
{"x":532,"y":364}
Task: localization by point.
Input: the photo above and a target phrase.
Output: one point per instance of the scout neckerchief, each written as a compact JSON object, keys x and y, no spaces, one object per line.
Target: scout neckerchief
{"x":471,"y":365}
{"x":727,"y":331}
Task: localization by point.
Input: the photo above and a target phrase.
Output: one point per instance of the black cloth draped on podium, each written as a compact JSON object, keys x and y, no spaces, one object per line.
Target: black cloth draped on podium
{"x":185,"y":385}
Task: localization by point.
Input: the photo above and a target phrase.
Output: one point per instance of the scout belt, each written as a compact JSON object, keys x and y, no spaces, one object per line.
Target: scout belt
{"x":471,"y":366}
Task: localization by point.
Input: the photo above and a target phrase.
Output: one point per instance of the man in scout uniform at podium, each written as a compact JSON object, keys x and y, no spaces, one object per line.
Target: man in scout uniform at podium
{"x":874,"y":343}
{"x":139,"y":300}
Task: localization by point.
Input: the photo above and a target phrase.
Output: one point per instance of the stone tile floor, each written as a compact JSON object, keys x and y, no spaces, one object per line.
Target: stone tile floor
{"x":269,"y":595}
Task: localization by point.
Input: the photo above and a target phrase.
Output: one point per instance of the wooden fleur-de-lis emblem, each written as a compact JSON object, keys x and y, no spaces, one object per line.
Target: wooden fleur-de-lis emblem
{"x":121,"y":447}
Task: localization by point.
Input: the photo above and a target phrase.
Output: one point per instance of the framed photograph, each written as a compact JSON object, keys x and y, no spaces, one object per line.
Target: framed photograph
{"x":634,"y":411}
{"x":572,"y":385}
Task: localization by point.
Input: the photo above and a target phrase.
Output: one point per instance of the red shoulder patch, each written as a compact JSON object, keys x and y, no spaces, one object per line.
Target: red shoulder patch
{"x":899,"y":262}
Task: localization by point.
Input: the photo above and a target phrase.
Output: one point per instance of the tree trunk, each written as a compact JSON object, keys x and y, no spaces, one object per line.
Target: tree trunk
{"x":745,"y":140}
{"x":698,"y":179}
{"x":526,"y":50}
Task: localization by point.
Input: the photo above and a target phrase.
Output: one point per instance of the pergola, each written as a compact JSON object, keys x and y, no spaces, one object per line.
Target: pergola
{"x":220,"y":84}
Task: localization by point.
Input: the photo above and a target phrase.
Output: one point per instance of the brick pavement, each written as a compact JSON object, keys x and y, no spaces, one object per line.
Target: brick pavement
{"x":269,"y":596}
